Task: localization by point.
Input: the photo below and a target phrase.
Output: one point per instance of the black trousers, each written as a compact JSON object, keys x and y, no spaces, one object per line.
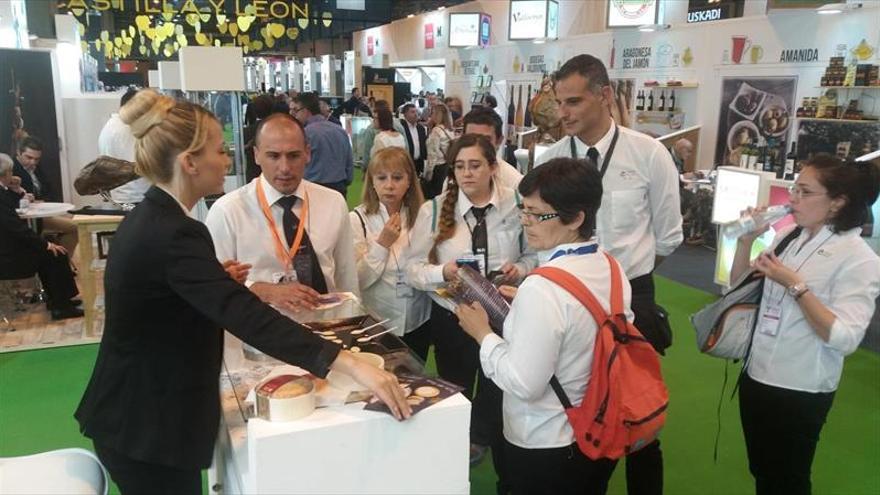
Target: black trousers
{"x":54,"y":272}
{"x":457,"y":354}
{"x":135,"y":477}
{"x":644,"y":468}
{"x":419,"y":340}
{"x":781,"y":428}
{"x":558,"y":471}
{"x":435,"y":186}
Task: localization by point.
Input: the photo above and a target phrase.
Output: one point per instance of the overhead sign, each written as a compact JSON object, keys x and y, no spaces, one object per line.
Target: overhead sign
{"x":429,"y":36}
{"x":464,"y":29}
{"x":713,"y":10}
{"x":485,"y":29}
{"x":533,"y":19}
{"x":631,"y":13}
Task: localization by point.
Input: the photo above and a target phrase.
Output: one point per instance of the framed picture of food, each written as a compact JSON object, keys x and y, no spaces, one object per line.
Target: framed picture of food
{"x":754,"y":111}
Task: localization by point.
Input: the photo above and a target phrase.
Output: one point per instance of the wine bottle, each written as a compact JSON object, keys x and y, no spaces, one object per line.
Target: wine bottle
{"x":639,"y":104}
{"x":651,"y":101}
{"x":790,"y":162}
{"x":528,"y":119}
{"x":511,"y":110}
{"x":671,"y":106}
{"x":519,"y":119}
{"x":662,"y":106}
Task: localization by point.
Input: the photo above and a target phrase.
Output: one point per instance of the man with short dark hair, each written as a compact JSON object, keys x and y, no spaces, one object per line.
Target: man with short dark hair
{"x":416,"y":136}
{"x":354,"y":104}
{"x":117,"y":141}
{"x":639,"y":221}
{"x":284,"y":272}
{"x":484,"y":121}
{"x":26,"y":167}
{"x":332,"y":162}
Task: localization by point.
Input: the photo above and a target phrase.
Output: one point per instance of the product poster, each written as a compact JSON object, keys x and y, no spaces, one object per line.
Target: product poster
{"x":27,"y":108}
{"x":622,"y":110}
{"x":755,"y":112}
{"x":846,"y":140}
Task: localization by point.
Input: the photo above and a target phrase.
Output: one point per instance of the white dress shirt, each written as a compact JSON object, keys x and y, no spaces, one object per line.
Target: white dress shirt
{"x":380,"y":269}
{"x":640,"y":214}
{"x":438,"y":144}
{"x":240,"y":232}
{"x":844,"y":273}
{"x":548,"y":332}
{"x":417,"y":146}
{"x":505,"y":236}
{"x":117,"y":141}
{"x":386,"y":140}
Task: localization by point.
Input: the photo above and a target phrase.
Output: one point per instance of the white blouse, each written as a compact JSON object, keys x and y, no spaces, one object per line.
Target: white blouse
{"x":548,"y":332}
{"x":386,"y":140}
{"x":437,"y":143}
{"x":381,"y":270}
{"x":506,"y":240}
{"x":844,"y":273}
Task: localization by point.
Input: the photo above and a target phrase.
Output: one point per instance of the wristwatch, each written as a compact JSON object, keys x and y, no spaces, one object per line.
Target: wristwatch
{"x":797,"y":290}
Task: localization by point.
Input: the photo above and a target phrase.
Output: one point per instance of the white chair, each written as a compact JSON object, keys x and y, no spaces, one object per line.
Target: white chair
{"x":65,"y":471}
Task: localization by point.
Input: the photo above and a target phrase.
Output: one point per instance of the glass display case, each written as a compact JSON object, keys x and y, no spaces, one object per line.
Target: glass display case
{"x":356,"y":127}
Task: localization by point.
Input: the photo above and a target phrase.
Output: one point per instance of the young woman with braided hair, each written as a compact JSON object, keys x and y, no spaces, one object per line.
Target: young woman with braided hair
{"x":475,"y":220}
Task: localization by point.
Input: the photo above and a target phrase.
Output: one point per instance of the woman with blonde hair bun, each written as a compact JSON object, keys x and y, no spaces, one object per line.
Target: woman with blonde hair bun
{"x":382,"y":230}
{"x":151,"y":406}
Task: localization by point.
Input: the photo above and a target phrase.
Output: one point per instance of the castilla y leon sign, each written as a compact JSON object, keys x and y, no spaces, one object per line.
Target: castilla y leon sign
{"x":279,"y":9}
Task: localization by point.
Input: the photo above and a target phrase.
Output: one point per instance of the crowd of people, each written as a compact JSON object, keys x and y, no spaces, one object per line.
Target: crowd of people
{"x":433,"y":201}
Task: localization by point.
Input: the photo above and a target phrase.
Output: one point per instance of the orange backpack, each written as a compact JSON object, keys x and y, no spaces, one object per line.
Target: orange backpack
{"x":624,"y":407}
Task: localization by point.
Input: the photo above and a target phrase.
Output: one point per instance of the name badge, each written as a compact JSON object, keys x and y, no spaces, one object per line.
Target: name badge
{"x":285,"y":277}
{"x":401,"y":288}
{"x":769,"y":323}
{"x":475,"y":261}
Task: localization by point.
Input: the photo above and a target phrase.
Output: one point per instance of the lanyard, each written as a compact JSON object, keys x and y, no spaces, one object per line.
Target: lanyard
{"x":588,"y":249}
{"x":607,"y":159}
{"x":280,"y":251}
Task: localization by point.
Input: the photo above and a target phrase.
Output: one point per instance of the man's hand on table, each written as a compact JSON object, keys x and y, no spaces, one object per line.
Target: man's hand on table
{"x":292,"y":296}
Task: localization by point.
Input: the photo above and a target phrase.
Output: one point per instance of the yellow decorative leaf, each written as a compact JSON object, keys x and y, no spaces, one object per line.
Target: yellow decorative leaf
{"x":292,"y":33}
{"x":142,"y":21}
{"x":105,"y":36}
{"x":81,"y":28}
{"x":150,"y":32}
{"x":270,"y":42}
{"x":182,"y":41}
{"x":250,"y":9}
{"x":216,"y":42}
{"x":178,"y":29}
{"x":303,"y":22}
{"x":257,"y":45}
{"x":222,"y":27}
{"x":131,"y":31}
{"x":233,"y":28}
{"x":276,"y":29}
{"x":117,"y":41}
{"x":167,"y":51}
{"x":201,"y":38}
{"x":245,"y":48}
{"x":327,"y":19}
{"x":244,"y":22}
{"x":221,"y":19}
{"x":142,"y":50}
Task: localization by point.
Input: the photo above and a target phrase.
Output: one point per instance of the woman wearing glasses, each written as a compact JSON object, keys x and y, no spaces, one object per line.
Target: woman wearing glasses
{"x":817,"y":302}
{"x":548,"y":332}
{"x":475,"y":222}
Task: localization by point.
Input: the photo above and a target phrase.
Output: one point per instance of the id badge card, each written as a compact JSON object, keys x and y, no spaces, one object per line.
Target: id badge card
{"x":475,"y":261}
{"x":769,"y":322}
{"x":401,"y":288}
{"x":285,"y":277}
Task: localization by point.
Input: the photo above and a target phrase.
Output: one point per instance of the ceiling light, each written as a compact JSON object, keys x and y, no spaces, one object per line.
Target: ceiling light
{"x":539,"y":41}
{"x":32,"y":37}
{"x":650,"y":28}
{"x":410,"y":16}
{"x":837,"y":8}
{"x":442,"y":7}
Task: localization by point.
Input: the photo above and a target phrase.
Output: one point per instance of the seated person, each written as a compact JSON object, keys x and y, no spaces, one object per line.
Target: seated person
{"x":26,"y":166}
{"x":23,"y":252}
{"x":259,"y":224}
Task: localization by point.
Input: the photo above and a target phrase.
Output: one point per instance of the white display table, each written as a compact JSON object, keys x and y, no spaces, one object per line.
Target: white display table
{"x":342,"y":449}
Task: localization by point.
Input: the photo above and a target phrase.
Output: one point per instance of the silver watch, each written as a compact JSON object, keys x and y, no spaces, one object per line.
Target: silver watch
{"x":797,"y":290}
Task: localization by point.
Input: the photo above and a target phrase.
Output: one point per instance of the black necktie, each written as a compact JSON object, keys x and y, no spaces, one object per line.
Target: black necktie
{"x":305,"y":261}
{"x":479,"y":234}
{"x":593,"y":156}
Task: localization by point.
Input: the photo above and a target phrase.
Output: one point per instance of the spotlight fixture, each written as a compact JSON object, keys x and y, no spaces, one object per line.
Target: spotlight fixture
{"x":410,"y":16}
{"x":650,"y":28}
{"x":837,"y":8}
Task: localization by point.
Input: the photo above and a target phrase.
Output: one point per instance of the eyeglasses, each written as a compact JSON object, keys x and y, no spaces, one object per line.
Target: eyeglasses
{"x":296,"y":110}
{"x":536,"y":217}
{"x":796,"y":192}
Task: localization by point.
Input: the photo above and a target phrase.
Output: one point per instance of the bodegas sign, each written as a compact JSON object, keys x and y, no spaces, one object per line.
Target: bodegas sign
{"x":279,"y":9}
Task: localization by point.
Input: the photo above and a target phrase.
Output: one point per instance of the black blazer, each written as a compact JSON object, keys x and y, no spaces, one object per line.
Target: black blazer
{"x":423,"y":139}
{"x":20,"y":247}
{"x":154,"y":392}
{"x":45,"y":193}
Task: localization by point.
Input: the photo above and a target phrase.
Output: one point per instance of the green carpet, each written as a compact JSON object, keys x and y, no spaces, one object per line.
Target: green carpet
{"x":39,"y":391}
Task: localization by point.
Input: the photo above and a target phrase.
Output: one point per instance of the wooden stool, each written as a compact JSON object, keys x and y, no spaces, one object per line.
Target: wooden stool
{"x":86,"y":226}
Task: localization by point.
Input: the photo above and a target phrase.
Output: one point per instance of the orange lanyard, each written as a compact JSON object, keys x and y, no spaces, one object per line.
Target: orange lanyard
{"x":281,"y":252}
